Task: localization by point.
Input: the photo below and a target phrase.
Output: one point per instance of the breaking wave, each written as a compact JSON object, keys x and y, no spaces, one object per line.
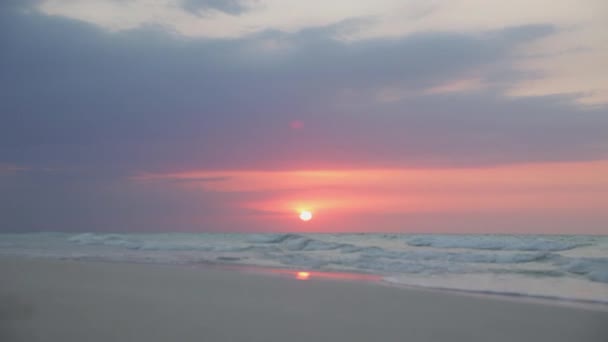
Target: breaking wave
{"x":485,"y":242}
{"x":154,"y":243}
{"x":594,"y":269}
{"x":566,"y":266}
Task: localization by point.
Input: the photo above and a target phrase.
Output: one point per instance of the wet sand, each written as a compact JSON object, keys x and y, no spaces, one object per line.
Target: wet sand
{"x":53,"y":300}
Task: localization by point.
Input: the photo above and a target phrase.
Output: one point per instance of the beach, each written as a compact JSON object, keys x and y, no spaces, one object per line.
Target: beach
{"x":61,"y":300}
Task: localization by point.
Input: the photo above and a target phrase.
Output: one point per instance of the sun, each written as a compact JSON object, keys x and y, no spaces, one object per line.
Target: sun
{"x":305,"y":215}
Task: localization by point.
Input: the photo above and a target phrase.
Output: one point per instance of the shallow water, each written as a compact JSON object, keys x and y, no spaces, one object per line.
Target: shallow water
{"x":567,"y":267}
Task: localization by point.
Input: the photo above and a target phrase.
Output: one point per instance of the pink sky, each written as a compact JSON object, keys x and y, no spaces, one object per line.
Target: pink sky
{"x":531,"y":198}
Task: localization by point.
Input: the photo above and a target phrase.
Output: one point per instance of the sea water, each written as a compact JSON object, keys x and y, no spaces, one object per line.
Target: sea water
{"x":573,"y":267}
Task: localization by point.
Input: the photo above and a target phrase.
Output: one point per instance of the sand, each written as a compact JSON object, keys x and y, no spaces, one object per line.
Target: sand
{"x":46,"y":300}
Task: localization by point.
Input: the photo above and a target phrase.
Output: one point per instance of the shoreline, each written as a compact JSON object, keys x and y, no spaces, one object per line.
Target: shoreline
{"x":66,"y":300}
{"x":380,"y":280}
{"x":562,"y":270}
{"x":341,"y":276}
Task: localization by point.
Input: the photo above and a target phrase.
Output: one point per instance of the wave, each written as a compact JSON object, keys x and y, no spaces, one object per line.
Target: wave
{"x":158,"y":244}
{"x":499,"y":258}
{"x":271,"y":238}
{"x":295,"y":242}
{"x":105,"y":240}
{"x":358,"y":264}
{"x":310,"y":251}
{"x":281,"y":244}
{"x":594,"y":269}
{"x":494,"y":263}
{"x":506,"y":243}
{"x":466,"y":257}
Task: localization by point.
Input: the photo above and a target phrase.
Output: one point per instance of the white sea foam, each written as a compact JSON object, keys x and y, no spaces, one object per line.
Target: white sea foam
{"x":270,"y":238}
{"x":156,"y":242}
{"x":495,"y":242}
{"x":563,"y":288}
{"x":547,"y":260}
{"x":595,"y":269}
{"x":105,"y":239}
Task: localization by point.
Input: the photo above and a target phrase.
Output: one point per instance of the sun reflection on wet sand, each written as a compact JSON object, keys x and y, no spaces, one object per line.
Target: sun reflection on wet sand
{"x":304,"y":274}
{"x":308,"y":275}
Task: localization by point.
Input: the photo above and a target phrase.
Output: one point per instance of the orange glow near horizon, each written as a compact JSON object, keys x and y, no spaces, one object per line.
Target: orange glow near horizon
{"x":577,"y":188}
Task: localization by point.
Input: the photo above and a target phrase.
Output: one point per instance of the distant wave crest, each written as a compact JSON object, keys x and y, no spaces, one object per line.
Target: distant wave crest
{"x":512,"y":263}
{"x":595,"y":269}
{"x":506,"y":243}
{"x":154,"y":244}
{"x":317,"y":251}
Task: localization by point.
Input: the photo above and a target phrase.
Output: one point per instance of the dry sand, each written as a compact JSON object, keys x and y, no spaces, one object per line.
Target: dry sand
{"x":45,"y":300}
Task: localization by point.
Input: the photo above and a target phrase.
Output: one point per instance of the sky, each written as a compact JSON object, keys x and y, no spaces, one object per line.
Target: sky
{"x":460,"y":116}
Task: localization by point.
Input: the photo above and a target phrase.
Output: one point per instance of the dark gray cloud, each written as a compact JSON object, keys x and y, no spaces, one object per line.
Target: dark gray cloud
{"x":234,"y":7}
{"x":18,"y":4}
{"x":56,"y":201}
{"x":75,"y":95}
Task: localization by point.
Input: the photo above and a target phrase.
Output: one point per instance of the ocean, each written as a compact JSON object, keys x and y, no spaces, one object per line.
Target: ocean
{"x":564,"y":267}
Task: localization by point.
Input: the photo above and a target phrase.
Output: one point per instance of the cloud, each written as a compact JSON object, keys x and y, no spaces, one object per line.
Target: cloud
{"x":144,"y":99}
{"x":56,"y":202}
{"x":561,"y":70}
{"x":10,"y":169}
{"x":233,"y":7}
